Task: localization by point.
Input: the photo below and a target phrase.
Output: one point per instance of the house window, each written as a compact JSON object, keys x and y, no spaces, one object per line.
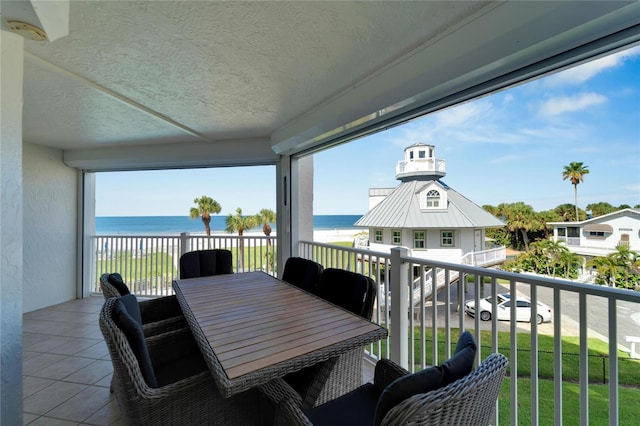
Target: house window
{"x":433,"y":199}
{"x":562,"y":232}
{"x":377,"y":235}
{"x":597,"y":235}
{"x":421,"y":154}
{"x":396,"y":237}
{"x":446,"y":238}
{"x":419,"y":239}
{"x":573,"y":232}
{"x":410,"y":155}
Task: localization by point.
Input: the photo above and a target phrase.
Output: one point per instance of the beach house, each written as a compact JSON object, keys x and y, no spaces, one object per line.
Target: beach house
{"x":424,"y":214}
{"x":599,"y":236}
{"x":94,"y":86}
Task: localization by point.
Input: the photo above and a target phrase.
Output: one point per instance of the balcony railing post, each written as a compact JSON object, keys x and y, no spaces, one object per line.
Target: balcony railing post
{"x":184,"y":243}
{"x":399,"y":307}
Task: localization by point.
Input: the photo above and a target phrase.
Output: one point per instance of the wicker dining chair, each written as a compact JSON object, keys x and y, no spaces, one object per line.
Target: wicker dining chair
{"x":158,"y":314}
{"x":302,"y":273}
{"x":330,"y":379}
{"x":204,"y":263}
{"x":163,"y":380}
{"x":470,"y":400}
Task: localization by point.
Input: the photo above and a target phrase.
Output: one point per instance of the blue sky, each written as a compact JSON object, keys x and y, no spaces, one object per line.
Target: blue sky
{"x":507,"y":147}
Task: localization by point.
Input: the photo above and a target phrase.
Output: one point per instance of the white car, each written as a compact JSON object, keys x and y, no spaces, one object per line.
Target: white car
{"x":504,"y":302}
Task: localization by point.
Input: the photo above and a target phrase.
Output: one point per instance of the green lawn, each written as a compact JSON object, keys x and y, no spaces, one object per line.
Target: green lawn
{"x":141,"y":273}
{"x":628,"y":377}
{"x":629,"y":369}
{"x":155,"y":270}
{"x":598,"y":403}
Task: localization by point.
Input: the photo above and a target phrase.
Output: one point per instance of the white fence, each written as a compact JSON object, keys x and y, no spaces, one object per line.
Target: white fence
{"x":149,"y":264}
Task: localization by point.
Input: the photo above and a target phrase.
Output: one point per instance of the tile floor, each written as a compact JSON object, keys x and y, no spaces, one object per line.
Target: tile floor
{"x":67,"y":369}
{"x":66,"y":366}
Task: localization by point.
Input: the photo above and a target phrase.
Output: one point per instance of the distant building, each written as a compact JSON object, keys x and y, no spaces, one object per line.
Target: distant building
{"x":428,"y":217}
{"x":599,"y":236}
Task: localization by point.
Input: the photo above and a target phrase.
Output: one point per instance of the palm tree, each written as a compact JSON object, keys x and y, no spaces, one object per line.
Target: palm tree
{"x":520,"y":218}
{"x":239,"y":223}
{"x":570,"y":261}
{"x":607,"y":269}
{"x":205,"y":206}
{"x":575,"y":172}
{"x":266,"y":217}
{"x":566,"y":212}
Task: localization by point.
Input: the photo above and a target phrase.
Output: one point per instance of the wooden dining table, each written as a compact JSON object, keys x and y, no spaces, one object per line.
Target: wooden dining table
{"x":252,"y":327}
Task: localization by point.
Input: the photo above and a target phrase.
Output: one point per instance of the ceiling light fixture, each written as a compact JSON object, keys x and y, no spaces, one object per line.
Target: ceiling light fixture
{"x":28,"y":31}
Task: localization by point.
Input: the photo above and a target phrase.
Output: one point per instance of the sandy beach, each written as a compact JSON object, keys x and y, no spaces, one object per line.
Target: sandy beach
{"x":142,"y":243}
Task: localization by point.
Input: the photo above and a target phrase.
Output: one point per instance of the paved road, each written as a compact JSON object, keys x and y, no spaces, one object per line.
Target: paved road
{"x":628,"y":314}
{"x":597,"y":317}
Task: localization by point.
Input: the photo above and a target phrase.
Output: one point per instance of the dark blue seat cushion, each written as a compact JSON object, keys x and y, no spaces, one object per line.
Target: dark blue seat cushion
{"x":204,"y":263}
{"x":352,"y":409}
{"x":187,"y":366}
{"x":461,"y":363}
{"x":429,"y":379}
{"x":116,"y":280}
{"x":132,"y":329}
{"x":406,"y":386}
{"x":302,"y":273}
{"x":349,"y":290}
{"x":130,"y":302}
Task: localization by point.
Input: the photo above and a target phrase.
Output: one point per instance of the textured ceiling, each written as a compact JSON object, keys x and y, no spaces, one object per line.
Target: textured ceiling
{"x":227,"y":70}
{"x":229,"y":78}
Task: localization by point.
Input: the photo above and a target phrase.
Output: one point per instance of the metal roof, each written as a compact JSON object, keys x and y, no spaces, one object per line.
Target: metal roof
{"x":401,"y":209}
{"x":378,"y":192}
{"x":599,"y":219}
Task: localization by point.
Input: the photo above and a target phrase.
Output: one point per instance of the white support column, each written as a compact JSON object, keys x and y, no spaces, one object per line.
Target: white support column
{"x":283,"y":211}
{"x":86,"y":230}
{"x":11,"y":234}
{"x":301,"y":201}
{"x":399,"y":307}
{"x":295,"y":205}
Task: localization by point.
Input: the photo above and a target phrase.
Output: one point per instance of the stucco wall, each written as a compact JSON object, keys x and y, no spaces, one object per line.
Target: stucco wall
{"x":50,"y":193}
{"x":629,"y":225}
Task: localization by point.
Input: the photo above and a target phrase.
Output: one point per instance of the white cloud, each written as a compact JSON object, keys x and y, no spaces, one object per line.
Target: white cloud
{"x":634,"y":187}
{"x":559,"y":105}
{"x":581,"y":73}
{"x":463,"y":114}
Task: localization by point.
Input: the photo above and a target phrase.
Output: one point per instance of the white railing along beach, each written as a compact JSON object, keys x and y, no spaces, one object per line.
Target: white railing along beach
{"x":150,"y":263}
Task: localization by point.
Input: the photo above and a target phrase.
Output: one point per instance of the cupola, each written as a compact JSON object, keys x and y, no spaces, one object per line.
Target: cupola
{"x":420,"y":163}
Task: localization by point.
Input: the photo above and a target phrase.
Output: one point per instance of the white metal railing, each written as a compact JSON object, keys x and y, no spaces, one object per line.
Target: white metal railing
{"x":576,"y":309}
{"x":421,"y":165}
{"x":149,"y":264}
{"x":487,"y":257}
{"x":372,"y":264}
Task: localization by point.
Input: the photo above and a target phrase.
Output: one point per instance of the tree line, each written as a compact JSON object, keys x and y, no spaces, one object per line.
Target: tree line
{"x":205,"y":206}
{"x":524,"y":224}
{"x":527,"y":230}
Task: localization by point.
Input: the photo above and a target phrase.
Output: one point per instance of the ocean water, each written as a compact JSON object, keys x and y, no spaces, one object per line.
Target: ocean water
{"x":173,"y":225}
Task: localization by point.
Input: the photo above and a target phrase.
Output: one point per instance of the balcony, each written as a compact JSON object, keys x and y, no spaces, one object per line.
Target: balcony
{"x":421,"y":167}
{"x":584,"y":316}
